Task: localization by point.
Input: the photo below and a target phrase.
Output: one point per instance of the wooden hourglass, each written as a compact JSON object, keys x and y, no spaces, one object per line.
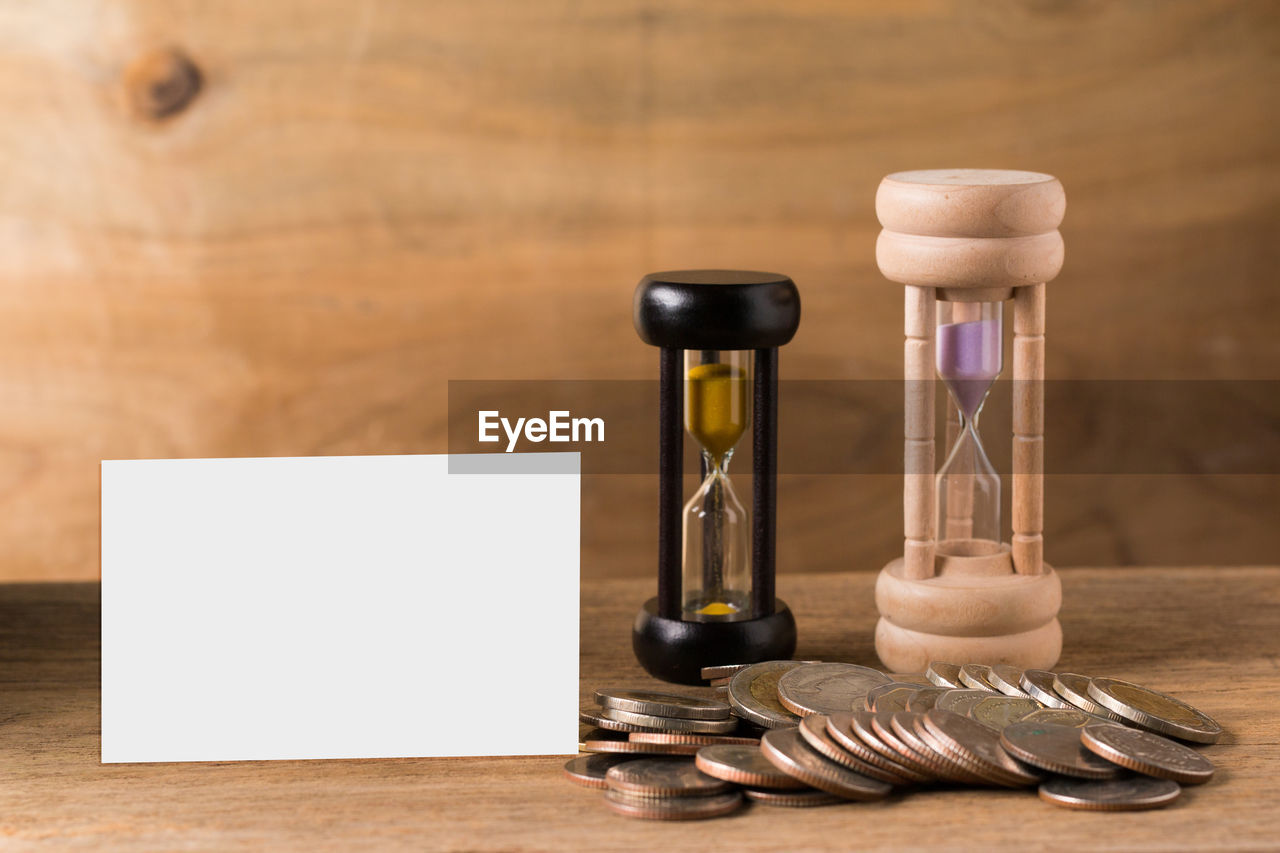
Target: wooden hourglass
{"x":719,"y":333}
{"x":964,"y":242}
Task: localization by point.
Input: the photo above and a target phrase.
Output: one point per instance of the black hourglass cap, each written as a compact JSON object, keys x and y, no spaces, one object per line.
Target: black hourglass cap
{"x":716,"y":309}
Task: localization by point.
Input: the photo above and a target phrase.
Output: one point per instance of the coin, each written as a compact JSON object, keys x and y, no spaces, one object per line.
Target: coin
{"x":840,"y":727}
{"x":1039,"y":686}
{"x":636,"y":747}
{"x":794,"y":799}
{"x":744,"y":765}
{"x":720,"y":682}
{"x":724,"y":671}
{"x":595,"y":717}
{"x":977,"y":676}
{"x":696,"y":739}
{"x":1154,"y":710}
{"x":1075,"y":690}
{"x":753,"y":694}
{"x":960,"y":701}
{"x":824,"y":688}
{"x":670,"y":724}
{"x":917,"y":678}
{"x":586,"y":733}
{"x":1007,"y":679}
{"x":998,"y":710}
{"x":663,"y":777}
{"x":1148,"y":753}
{"x":890,"y":697}
{"x":925,"y":698}
{"x":588,"y":770}
{"x":908,"y":727}
{"x":1073,"y":717}
{"x":662,"y":704}
{"x":1057,"y":749}
{"x":789,"y":753}
{"x":977,"y":748}
{"x":949,"y":766}
{"x":863,"y":725}
{"x":813,"y":729}
{"x":944,"y":674}
{"x":1110,"y":795}
{"x":673,"y":808}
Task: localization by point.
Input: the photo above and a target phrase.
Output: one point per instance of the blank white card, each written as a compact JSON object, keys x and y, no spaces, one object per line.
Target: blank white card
{"x":339,"y":607}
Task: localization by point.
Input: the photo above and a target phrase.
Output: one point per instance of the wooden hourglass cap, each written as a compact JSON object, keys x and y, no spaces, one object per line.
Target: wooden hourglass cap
{"x":983,"y":230}
{"x":716,"y":309}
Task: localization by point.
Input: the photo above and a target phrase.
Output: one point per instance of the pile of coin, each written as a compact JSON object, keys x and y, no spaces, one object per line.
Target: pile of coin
{"x":805,"y":733}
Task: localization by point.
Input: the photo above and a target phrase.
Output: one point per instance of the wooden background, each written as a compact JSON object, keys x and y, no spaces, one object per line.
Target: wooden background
{"x":364,"y":199}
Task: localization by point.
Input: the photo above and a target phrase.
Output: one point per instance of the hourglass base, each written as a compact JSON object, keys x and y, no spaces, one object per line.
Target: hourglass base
{"x":676,"y":650}
{"x":968,"y":618}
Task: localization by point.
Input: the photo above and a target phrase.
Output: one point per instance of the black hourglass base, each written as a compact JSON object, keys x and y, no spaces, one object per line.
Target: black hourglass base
{"x":675,"y":650}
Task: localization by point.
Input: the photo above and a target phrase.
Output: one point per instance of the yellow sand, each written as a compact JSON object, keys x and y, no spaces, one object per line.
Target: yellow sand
{"x":716,"y":407}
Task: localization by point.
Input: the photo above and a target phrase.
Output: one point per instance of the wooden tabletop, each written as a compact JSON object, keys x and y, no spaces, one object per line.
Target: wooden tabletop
{"x":1210,"y":636}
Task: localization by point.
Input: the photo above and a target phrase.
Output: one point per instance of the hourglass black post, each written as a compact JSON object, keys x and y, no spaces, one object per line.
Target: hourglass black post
{"x":718,"y":332}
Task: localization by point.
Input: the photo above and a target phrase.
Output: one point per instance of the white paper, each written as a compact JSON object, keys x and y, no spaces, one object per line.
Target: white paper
{"x":339,"y":607}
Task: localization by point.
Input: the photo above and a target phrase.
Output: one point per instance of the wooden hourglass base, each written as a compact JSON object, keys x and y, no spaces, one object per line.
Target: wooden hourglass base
{"x":968,"y":614}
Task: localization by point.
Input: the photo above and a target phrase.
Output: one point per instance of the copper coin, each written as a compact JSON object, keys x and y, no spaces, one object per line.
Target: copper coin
{"x":789,"y":753}
{"x":1110,"y":795}
{"x":890,"y":697}
{"x":950,"y":767}
{"x":1039,"y":686}
{"x":944,"y":674}
{"x":588,"y":770}
{"x":663,"y":777}
{"x":793,"y":799}
{"x":977,"y":676}
{"x":673,"y":808}
{"x":1147,"y":752}
{"x":1075,"y":690}
{"x":924,"y":699}
{"x":863,"y":726}
{"x":1057,"y":749}
{"x":824,"y":688}
{"x":669,"y":724}
{"x":840,"y":727}
{"x":1154,"y":710}
{"x":813,"y":729}
{"x":688,"y":737}
{"x":1007,"y":679}
{"x":743,"y":765}
{"x":720,"y":682}
{"x":906,"y":726}
{"x":977,"y":748}
{"x":633,"y":747}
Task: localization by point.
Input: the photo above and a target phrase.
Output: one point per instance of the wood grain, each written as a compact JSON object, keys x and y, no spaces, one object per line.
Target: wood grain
{"x":1210,"y":636}
{"x":350,"y":203}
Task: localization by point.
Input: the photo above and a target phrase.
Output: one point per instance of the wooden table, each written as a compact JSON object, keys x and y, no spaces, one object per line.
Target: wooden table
{"x":1210,"y":636}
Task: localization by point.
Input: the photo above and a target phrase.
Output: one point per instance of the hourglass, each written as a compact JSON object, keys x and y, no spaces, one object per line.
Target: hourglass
{"x":964,"y":242}
{"x":718,"y":332}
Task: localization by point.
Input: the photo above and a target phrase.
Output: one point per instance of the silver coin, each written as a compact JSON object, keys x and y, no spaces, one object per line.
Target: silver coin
{"x":662,"y":704}
{"x":1154,"y":710}
{"x":827,"y":688}
{"x":669,"y":724}
{"x":1074,"y":689}
{"x":977,"y":676}
{"x":1073,"y":717}
{"x":1131,"y":794}
{"x":1007,"y":679}
{"x":1057,"y":749}
{"x":790,"y":754}
{"x":961,"y":700}
{"x":663,"y":777}
{"x":997,"y":711}
{"x":924,"y":699}
{"x":1039,"y":686}
{"x":890,"y":697}
{"x":944,"y":674}
{"x":753,"y":694}
{"x":595,"y":716}
{"x":673,"y":808}
{"x":1147,"y":752}
{"x":710,"y":672}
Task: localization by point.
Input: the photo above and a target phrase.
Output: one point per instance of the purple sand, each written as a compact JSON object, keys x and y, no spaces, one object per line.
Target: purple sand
{"x":969,"y":361}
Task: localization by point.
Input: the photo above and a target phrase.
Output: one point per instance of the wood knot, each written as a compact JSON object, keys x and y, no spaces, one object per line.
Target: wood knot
{"x":161,"y":83}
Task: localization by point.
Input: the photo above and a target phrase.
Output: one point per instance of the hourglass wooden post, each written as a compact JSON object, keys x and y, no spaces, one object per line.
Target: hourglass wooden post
{"x":963,"y":242}
{"x":719,"y":333}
